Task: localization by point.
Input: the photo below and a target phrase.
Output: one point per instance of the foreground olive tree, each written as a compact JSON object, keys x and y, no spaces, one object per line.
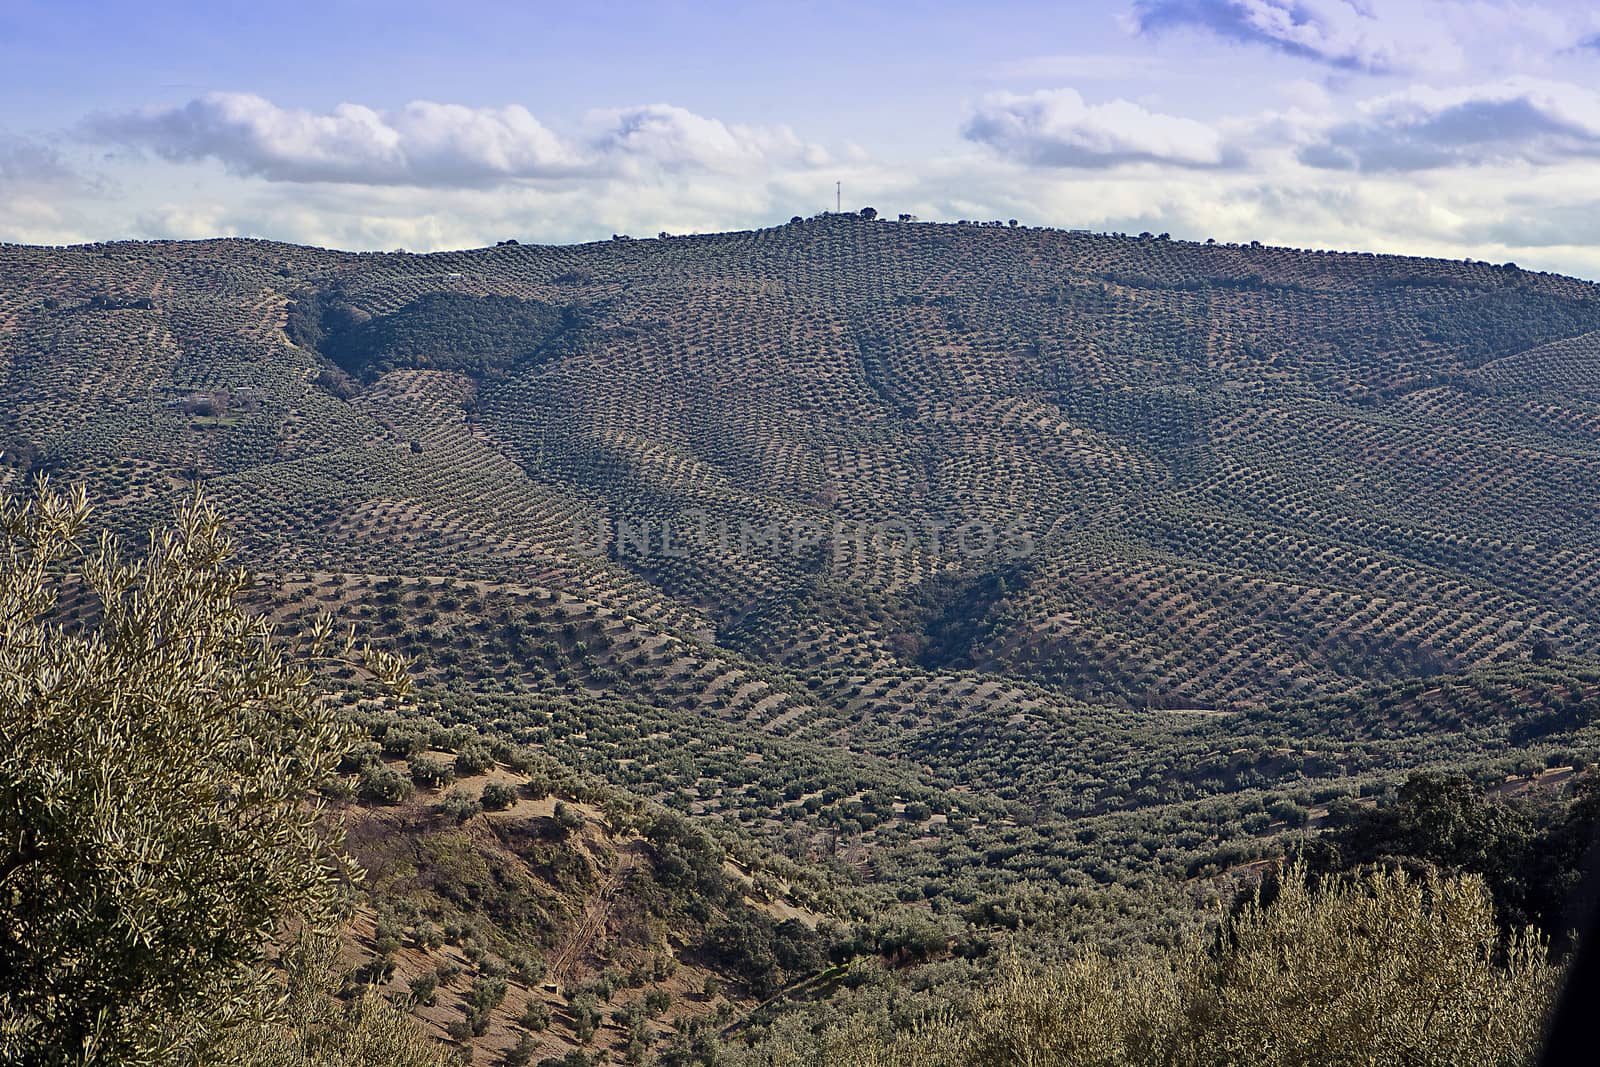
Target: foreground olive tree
{"x":1384,"y":969}
{"x":158,"y":763}
{"x":316,"y":1028}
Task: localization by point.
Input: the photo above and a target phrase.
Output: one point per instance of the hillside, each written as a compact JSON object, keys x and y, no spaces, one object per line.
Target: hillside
{"x":517,"y":904}
{"x":1008,"y":575}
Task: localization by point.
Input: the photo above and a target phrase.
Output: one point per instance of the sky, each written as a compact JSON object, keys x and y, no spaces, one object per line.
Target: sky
{"x":1457,"y":128}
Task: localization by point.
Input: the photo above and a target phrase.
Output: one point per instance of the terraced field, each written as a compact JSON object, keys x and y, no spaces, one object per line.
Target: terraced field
{"x":977,"y":565}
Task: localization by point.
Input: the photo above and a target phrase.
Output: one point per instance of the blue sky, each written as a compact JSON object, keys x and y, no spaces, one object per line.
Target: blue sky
{"x":1461,"y":128}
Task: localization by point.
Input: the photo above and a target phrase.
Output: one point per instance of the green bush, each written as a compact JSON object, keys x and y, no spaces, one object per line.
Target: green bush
{"x":428,"y":773}
{"x":154,"y":769}
{"x":1388,"y":969}
{"x":497,"y":796}
{"x":459,"y":805}
{"x":473,"y":759}
{"x":535,"y":1017}
{"x":382,"y":784}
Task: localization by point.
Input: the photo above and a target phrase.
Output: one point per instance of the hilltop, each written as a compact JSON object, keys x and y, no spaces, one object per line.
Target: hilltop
{"x":1012,"y":575}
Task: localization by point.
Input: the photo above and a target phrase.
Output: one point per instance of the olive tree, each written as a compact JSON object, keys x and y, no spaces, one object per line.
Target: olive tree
{"x":160,"y":751}
{"x":318,"y":1029}
{"x":1379,"y":969}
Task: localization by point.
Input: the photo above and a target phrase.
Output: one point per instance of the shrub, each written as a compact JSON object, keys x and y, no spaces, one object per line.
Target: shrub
{"x":657,"y":1001}
{"x":1388,"y":969}
{"x":473,"y":759}
{"x":398,"y":744}
{"x":536,"y":1016}
{"x":528,"y":968}
{"x":520,"y":1054}
{"x":429,"y":773}
{"x":459,"y":805}
{"x":567,"y":817}
{"x":382,"y":784}
{"x":423,"y":987}
{"x":154,"y":766}
{"x":484,"y":996}
{"x":365,"y":1030}
{"x":497,"y":796}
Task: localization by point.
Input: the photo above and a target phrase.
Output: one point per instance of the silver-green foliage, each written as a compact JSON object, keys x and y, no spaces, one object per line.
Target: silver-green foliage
{"x":318,"y":1028}
{"x":1385,"y":970}
{"x":157,"y":770}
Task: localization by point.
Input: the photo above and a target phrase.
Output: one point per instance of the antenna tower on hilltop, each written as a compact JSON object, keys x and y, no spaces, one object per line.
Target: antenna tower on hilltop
{"x":838,"y":198}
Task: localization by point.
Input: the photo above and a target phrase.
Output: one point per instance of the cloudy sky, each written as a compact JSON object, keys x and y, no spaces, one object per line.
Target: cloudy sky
{"x":1460,"y":128}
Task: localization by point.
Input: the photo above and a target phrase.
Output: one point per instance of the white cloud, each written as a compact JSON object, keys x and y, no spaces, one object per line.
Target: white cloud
{"x":1056,"y":128}
{"x":25,"y":162}
{"x":675,"y":139}
{"x":1519,"y":119}
{"x":441,"y":145}
{"x":1349,"y":34}
{"x":583,"y":208}
{"x":41,"y":193}
{"x":422,"y":143}
{"x":41,"y":219}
